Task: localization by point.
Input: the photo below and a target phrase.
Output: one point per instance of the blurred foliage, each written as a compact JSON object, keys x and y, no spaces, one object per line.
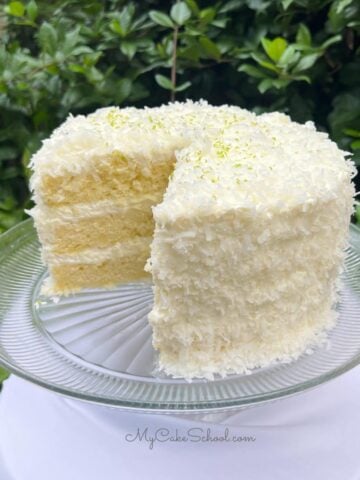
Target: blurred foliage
{"x":3,"y":375}
{"x":296,"y":56}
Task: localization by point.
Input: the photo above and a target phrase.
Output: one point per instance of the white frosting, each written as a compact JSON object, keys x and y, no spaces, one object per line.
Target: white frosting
{"x":67,"y":213}
{"x":98,"y":255}
{"x":270,"y":164}
{"x":249,"y":237}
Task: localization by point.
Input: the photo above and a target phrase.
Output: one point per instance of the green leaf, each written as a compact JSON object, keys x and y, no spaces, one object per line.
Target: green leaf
{"x":265,"y":63}
{"x":70,"y":42}
{"x":183,"y":86}
{"x":126,"y":16}
{"x":4,"y":374}
{"x":94,"y":75}
{"x":351,"y":132}
{"x":48,"y":38}
{"x":207,"y":15}
{"x":128,"y":48}
{"x":52,"y":69}
{"x":289,"y":57}
{"x":258,"y":5}
{"x":280,"y":83}
{"x":192,"y":53}
{"x":355,"y":145}
{"x":274,"y":48}
{"x":341,"y":14}
{"x":121,"y":24}
{"x":76,"y":68}
{"x":303,"y":36}
{"x":300,"y":47}
{"x":342,"y":4}
{"x":116,"y":27}
{"x":192,"y":4}
{"x":16,"y":9}
{"x":265,"y":84}
{"x":331,"y":41}
{"x":180,"y":13}
{"x":83,"y":49}
{"x":302,"y":78}
{"x":8,"y":204}
{"x":210,"y":48}
{"x":161,"y":19}
{"x":220,"y":22}
{"x":164,"y":82}
{"x":286,"y":3}
{"x":252,"y":71}
{"x":277,"y":83}
{"x":32,"y":10}
{"x":123,"y":90}
{"x":231,"y":6}
{"x":306,"y":62}
{"x":193,"y":31}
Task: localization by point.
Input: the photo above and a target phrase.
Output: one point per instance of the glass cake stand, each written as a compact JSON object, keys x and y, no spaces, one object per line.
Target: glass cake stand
{"x":96,"y":345}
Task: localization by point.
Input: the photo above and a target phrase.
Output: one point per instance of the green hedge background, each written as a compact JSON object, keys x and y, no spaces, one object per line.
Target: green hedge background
{"x":296,"y":56}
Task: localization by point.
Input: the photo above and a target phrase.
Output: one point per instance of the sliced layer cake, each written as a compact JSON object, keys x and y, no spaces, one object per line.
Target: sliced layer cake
{"x":250,"y":223}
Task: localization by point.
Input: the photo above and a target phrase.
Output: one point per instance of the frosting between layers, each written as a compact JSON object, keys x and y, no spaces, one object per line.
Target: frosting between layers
{"x":69,"y":213}
{"x":99,"y":255}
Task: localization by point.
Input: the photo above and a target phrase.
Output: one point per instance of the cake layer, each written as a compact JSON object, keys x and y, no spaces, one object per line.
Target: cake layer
{"x":71,"y":277}
{"x":120,"y":263}
{"x":115,"y":178}
{"x":98,"y":225}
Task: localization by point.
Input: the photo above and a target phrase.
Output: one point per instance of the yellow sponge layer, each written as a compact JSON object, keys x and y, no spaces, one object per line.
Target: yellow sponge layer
{"x":71,"y":277}
{"x":64,"y":236}
{"x":114,"y":178}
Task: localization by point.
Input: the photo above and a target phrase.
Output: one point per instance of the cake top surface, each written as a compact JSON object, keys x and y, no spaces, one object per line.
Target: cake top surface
{"x":227,"y":157}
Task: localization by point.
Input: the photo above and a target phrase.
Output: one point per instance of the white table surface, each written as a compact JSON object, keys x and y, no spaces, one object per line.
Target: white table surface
{"x":312,"y":436}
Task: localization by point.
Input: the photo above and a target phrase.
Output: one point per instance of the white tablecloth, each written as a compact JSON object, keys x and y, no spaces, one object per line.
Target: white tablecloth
{"x":312,"y":436}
